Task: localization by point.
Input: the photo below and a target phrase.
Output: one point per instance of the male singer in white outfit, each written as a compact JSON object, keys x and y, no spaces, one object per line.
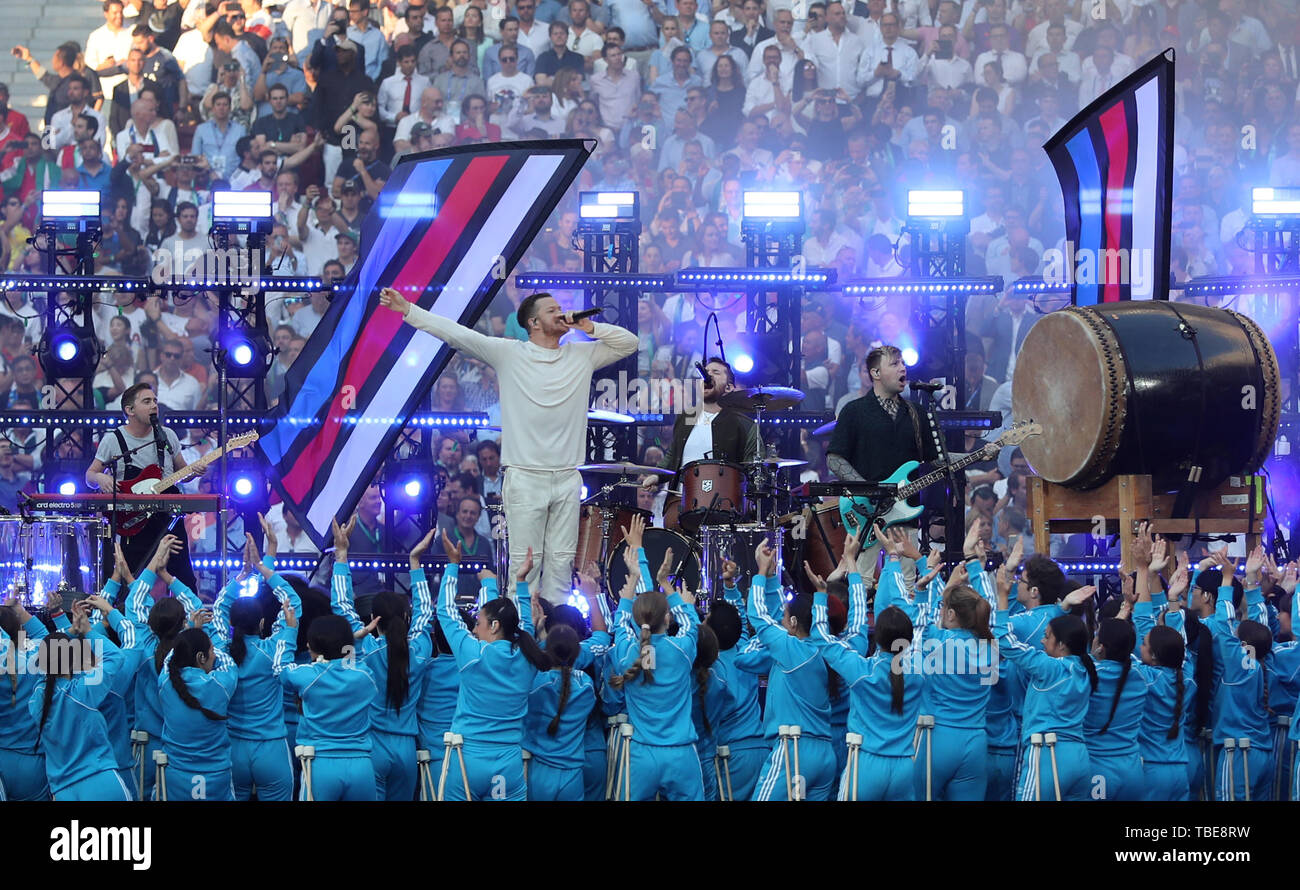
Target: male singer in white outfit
{"x":545,"y":389}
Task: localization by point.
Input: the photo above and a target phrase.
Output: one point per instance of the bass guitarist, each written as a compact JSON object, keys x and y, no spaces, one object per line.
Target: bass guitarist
{"x":875,"y":434}
{"x":135,"y":446}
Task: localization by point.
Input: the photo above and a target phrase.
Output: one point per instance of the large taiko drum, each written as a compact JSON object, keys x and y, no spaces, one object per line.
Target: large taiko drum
{"x":1147,"y":387}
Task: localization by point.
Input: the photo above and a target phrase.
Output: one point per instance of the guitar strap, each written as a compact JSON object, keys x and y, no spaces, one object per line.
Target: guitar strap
{"x":129,"y":469}
{"x":916,"y":426}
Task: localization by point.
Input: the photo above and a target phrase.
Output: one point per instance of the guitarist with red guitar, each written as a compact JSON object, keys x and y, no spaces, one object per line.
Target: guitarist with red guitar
{"x":139,"y":452}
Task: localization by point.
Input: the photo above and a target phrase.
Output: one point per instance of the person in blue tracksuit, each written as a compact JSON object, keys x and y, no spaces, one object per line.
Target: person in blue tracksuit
{"x":797,"y":691}
{"x":559,"y":704}
{"x":707,"y":704}
{"x":1241,"y":700}
{"x":71,"y":733}
{"x":22,"y":766}
{"x":952,"y":758}
{"x":1114,"y":718}
{"x":437,"y":705}
{"x":337,"y":695}
{"x":498,"y":663}
{"x":194,"y":690}
{"x":1060,"y":682}
{"x":740,"y":726}
{"x":397,"y":659}
{"x":260,"y":758}
{"x":655,"y":672}
{"x":315,"y":603}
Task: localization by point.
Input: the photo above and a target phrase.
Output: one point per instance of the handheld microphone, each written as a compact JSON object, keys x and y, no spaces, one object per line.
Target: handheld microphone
{"x":159,"y":436}
{"x":585,"y":313}
{"x":699,"y":366}
{"x":918,"y":386}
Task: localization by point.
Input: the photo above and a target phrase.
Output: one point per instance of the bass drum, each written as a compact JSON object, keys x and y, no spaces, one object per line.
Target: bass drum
{"x":656,"y":542}
{"x":822,"y":535}
{"x":1147,"y":387}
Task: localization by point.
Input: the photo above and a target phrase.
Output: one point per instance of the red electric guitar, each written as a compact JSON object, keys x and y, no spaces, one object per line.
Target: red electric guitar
{"x":151,"y":481}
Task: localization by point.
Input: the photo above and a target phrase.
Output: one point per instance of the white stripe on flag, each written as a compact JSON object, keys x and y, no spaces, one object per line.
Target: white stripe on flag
{"x":420,"y":351}
{"x":1146,"y":176}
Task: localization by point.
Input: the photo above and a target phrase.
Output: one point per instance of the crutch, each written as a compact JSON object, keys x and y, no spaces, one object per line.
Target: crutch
{"x":624,"y":779}
{"x":1281,"y":791}
{"x":455,"y":742}
{"x":1244,"y":746}
{"x":1206,"y":744}
{"x":160,"y":775}
{"x":1230,"y":751}
{"x":527,"y":756}
{"x":783,"y":734}
{"x":425,"y":761}
{"x":612,"y":755}
{"x":925,"y":725}
{"x":722,"y":767}
{"x":306,"y":754}
{"x":1050,"y":739}
{"x":800,"y":790}
{"x":139,"y":744}
{"x":855,"y":745}
{"x":1036,"y":744}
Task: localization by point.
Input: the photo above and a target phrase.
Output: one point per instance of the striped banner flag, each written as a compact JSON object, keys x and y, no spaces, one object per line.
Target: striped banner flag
{"x":444,"y":231}
{"x":1114,"y":160}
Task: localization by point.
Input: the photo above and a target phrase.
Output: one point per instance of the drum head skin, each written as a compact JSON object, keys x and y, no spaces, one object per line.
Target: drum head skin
{"x":1070,"y":378}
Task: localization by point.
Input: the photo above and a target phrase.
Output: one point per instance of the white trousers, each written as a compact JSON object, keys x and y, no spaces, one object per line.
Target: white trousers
{"x":331,"y":157}
{"x":542,"y":513}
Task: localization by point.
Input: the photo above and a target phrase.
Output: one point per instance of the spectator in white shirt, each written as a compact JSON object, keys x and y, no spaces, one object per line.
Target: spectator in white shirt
{"x":1067,"y":60}
{"x":891,"y":60}
{"x":941,"y":66}
{"x":317,"y":223}
{"x":432,"y":112}
{"x":766,"y":94}
{"x":616,"y":89}
{"x":836,"y":51}
{"x":784,"y":41}
{"x":583,"y":39}
{"x":1037,"y":40}
{"x":176,"y":389}
{"x":1100,"y":78}
{"x":1014,"y":66}
{"x":399,"y":94}
{"x":108,"y":46}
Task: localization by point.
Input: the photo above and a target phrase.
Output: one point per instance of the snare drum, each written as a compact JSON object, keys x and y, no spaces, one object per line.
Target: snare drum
{"x":590,"y":523}
{"x":713,"y":493}
{"x":36,"y":555}
{"x":656,"y":542}
{"x":719,"y":543}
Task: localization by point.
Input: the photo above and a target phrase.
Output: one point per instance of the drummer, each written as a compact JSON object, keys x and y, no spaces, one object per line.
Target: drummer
{"x":712,"y":432}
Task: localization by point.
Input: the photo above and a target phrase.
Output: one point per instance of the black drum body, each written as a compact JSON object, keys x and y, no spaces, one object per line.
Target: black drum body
{"x":1147,"y":387}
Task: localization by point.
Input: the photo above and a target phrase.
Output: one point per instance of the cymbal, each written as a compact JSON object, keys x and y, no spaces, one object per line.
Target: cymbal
{"x":621,"y":468}
{"x":604,"y":416}
{"x":781,"y":463}
{"x":768,"y":398}
{"x":825,"y":429}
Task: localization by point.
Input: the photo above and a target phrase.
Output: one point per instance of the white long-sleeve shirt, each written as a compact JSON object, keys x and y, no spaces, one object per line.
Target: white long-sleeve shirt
{"x":544,"y":392}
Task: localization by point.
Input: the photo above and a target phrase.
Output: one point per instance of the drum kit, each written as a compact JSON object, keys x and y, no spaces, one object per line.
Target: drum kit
{"x":47,"y":554}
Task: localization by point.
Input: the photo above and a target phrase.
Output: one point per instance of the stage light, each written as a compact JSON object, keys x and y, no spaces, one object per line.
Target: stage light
{"x":593,"y":281}
{"x":67,"y":488}
{"x":579,"y":602}
{"x":243,"y":486}
{"x":247,"y":353}
{"x":70,"y":210}
{"x":936,"y":204}
{"x":69,"y":351}
{"x":770,"y":206}
{"x":409,"y":484}
{"x":62,"y":476}
{"x":246,"y":483}
{"x":910,"y":357}
{"x":704,"y":278}
{"x":609,"y":205}
{"x":241,"y":212}
{"x":742,"y":364}
{"x":1269,"y":202}
{"x":413,"y":488}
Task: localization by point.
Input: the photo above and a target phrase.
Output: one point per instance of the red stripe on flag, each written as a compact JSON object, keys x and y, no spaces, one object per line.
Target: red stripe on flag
{"x":1114,"y":130}
{"x":382,"y":326}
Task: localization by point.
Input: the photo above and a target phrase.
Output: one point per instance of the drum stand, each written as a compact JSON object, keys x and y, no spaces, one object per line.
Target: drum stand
{"x":603,"y":500}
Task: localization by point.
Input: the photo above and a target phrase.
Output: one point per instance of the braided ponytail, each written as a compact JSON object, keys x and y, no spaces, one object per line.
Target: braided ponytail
{"x":563,"y":646}
{"x":185,"y":652}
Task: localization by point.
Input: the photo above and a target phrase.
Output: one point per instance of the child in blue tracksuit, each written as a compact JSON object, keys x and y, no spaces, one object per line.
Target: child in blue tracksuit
{"x":740,"y":726}
{"x":558,"y":709}
{"x":1241,"y":700}
{"x":260,"y":758}
{"x":437,"y":704}
{"x":397,"y":659}
{"x":337,"y":696}
{"x":194,"y":690}
{"x":1060,"y":681}
{"x":22,"y":766}
{"x":1114,"y":719}
{"x":498,"y":664}
{"x":1170,"y":692}
{"x":797,"y":692}
{"x":655,"y":672}
{"x":80,"y":764}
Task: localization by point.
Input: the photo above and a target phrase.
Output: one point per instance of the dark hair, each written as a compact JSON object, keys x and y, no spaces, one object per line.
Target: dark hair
{"x":129,"y":394}
{"x":564,"y":615}
{"x":166,"y":620}
{"x":394,"y":614}
{"x":893,"y":625}
{"x":725,"y":622}
{"x":706,"y":653}
{"x":406,"y":50}
{"x":650,"y":612}
{"x":972,"y":610}
{"x":1258,"y":640}
{"x":1169,"y":650}
{"x":185,"y":653}
{"x":563,"y":647}
{"x":246,"y":618}
{"x":879,"y":354}
{"x":487,"y":445}
{"x":50,"y":665}
{"x":1117,"y":639}
{"x":731,"y":374}
{"x":1072,"y":633}
{"x":92,"y":125}
{"x":285,"y":89}
{"x":528,"y":308}
{"x":331,"y":637}
{"x":1041,"y":572}
{"x":502,"y":611}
